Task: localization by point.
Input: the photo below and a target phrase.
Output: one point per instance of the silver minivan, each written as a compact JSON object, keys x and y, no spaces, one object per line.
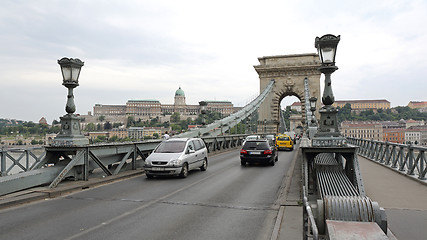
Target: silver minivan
{"x":177,"y":156}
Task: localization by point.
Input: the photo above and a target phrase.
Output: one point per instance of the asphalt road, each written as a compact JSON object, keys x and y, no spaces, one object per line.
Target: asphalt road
{"x":227,"y":201}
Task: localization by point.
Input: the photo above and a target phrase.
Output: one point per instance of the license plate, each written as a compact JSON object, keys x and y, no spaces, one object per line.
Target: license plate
{"x":157,"y":169}
{"x":255,"y":153}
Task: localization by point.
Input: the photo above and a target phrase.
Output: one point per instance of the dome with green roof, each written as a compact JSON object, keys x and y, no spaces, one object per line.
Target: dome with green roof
{"x":179,"y":92}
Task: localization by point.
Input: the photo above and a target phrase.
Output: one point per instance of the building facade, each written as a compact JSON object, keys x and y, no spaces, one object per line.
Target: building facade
{"x":417,"y":105}
{"x":388,"y":131}
{"x":143,"y":108}
{"x":118,"y":132}
{"x":365,"y":130}
{"x":394,"y":135}
{"x":109,"y":110}
{"x":297,"y":106}
{"x":147,"y":109}
{"x":364,"y":104}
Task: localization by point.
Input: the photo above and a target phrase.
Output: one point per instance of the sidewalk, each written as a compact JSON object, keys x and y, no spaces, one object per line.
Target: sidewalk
{"x":291,"y":225}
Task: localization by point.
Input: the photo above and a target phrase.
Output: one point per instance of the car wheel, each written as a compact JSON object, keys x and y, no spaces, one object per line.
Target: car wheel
{"x":243,"y":163}
{"x":205,"y":165}
{"x":184,"y":171}
{"x":149,"y":176}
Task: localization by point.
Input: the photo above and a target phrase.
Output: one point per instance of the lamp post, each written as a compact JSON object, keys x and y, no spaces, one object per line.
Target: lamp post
{"x":203,"y":105}
{"x":70,"y":134}
{"x":328,"y":133}
{"x":265,"y":126}
{"x":313,"y":101}
{"x":249,"y":127}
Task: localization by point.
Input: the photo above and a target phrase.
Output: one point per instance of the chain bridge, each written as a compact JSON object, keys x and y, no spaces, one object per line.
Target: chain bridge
{"x":330,"y":187}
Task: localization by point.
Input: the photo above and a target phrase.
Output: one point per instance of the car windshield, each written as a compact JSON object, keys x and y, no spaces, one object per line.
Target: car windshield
{"x":171,"y":147}
{"x":283,"y":138}
{"x":256,"y":145}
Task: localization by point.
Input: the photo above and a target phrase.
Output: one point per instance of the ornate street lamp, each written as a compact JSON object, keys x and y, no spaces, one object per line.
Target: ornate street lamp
{"x":328,"y":133}
{"x":70,"y":69}
{"x":327,"y":48}
{"x":70,"y":134}
{"x":249,"y":126}
{"x":313,"y":101}
{"x":265,"y":126}
{"x":203,"y":105}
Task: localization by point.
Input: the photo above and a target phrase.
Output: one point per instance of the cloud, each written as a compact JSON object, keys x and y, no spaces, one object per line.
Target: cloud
{"x":147,"y":49}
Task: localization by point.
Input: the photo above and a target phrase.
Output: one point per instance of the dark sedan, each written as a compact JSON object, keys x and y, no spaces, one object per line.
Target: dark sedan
{"x":258,"y":151}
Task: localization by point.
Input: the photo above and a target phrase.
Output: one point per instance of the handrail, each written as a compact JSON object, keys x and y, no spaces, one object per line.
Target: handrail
{"x":220,"y":126}
{"x":404,"y":158}
{"x":17,"y":160}
{"x":311,"y":220}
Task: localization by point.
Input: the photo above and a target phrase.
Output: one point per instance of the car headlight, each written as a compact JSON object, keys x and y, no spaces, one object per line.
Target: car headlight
{"x":175,"y":162}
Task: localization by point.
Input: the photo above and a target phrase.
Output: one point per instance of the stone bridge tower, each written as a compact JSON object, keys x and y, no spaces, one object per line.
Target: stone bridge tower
{"x":289,"y":72}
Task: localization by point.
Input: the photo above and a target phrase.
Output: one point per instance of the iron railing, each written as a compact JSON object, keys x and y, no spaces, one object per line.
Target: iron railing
{"x":58,"y":163}
{"x":19,"y":160}
{"x":409,"y":159}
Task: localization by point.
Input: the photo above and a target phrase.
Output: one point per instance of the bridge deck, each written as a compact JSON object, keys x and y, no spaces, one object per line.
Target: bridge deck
{"x":390,"y":189}
{"x":404,"y":199}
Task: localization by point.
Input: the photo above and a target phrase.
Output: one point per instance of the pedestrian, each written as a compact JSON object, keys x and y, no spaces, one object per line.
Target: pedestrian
{"x":165,"y":136}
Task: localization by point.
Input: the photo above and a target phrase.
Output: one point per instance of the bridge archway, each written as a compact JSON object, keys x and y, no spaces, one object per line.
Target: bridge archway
{"x":289,"y":72}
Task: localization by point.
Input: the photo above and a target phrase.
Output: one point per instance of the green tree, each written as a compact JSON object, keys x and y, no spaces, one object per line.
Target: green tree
{"x":107,"y":125}
{"x":90,"y":127}
{"x":100,"y":139}
{"x":175,"y":117}
{"x":130,"y":121}
{"x":113,"y":139}
{"x":176,"y":127}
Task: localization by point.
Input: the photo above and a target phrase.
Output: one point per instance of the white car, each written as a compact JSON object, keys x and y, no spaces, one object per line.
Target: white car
{"x":177,"y":156}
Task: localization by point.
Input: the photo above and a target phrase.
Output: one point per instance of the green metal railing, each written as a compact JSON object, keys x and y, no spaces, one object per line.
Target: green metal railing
{"x":405,"y":158}
{"x":57,"y":163}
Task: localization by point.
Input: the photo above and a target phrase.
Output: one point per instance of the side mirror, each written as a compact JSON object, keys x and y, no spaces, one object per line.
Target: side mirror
{"x":189,"y":151}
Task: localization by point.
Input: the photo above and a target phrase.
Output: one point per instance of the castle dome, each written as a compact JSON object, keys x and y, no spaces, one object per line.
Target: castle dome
{"x":179,"y":92}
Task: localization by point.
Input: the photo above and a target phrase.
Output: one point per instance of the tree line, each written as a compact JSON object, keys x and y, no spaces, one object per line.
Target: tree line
{"x":394,"y":114}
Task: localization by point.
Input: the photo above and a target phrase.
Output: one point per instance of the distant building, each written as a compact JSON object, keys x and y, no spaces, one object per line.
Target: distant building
{"x":108,"y":110}
{"x":403,"y":132}
{"x":148,"y":109}
{"x":297,"y":106}
{"x":43,"y":121}
{"x":118,"y":132}
{"x":394,"y":124}
{"x":93,"y":135}
{"x":413,"y":123}
{"x":394,"y":135}
{"x":365,"y":130}
{"x":144,"y":132}
{"x":136,"y":132}
{"x":417,"y":105}
{"x":364,"y":104}
{"x":416,"y":135}
{"x":143,"y":108}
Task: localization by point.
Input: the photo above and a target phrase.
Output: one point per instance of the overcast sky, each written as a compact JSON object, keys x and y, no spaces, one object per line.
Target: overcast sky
{"x":147,"y":49}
